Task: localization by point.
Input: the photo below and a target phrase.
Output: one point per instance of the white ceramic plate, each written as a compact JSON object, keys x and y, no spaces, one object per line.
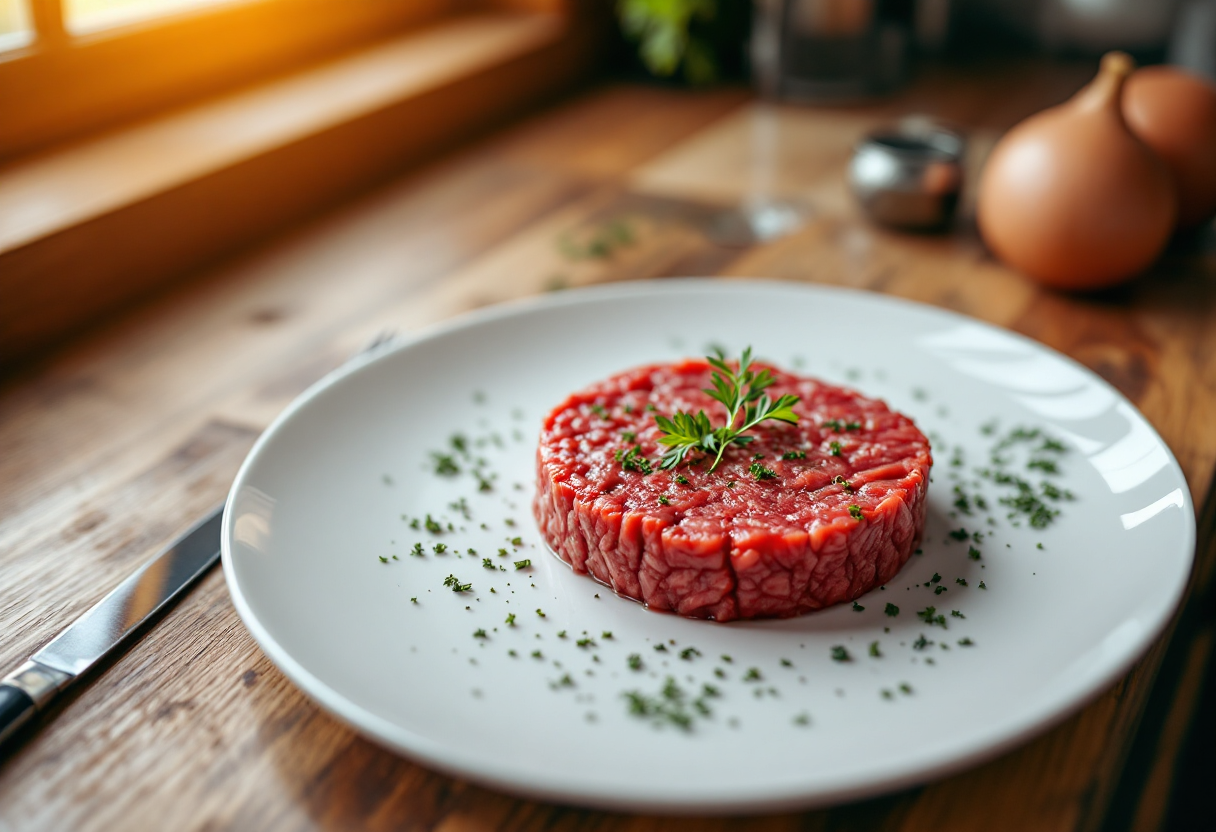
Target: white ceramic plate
{"x":332,"y":485}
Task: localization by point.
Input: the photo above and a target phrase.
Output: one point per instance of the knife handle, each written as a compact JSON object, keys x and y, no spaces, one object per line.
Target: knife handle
{"x":16,"y":709}
{"x":25,"y":692}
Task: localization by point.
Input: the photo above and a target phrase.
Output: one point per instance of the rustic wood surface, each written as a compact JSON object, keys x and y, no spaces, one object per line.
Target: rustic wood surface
{"x":87,"y":228}
{"x":127,"y":435}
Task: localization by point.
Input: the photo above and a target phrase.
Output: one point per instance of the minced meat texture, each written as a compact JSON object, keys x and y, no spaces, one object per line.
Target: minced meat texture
{"x":738,"y":542}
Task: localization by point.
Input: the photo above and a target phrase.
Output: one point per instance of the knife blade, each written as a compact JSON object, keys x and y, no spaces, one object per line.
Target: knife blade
{"x":104,"y":628}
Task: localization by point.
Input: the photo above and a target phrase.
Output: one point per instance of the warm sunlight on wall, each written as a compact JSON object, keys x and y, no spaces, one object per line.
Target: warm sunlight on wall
{"x":14,"y":24}
{"x":91,"y":15}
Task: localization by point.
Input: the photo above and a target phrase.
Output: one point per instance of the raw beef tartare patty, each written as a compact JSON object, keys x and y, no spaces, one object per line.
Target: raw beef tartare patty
{"x":794,"y":534}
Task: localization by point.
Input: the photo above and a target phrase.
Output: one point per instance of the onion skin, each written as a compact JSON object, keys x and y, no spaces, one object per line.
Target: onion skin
{"x":1174,"y":113}
{"x":1071,"y":197}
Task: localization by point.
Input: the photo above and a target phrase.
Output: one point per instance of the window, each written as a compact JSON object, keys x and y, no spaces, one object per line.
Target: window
{"x":68,"y":67}
{"x":14,"y":24}
{"x":82,"y":16}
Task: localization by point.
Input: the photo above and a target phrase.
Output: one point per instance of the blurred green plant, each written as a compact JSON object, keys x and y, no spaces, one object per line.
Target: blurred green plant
{"x":667,"y":43}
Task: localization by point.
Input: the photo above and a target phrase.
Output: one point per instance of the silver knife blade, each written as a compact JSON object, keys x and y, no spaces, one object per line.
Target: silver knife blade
{"x":104,"y":627}
{"x":33,"y":686}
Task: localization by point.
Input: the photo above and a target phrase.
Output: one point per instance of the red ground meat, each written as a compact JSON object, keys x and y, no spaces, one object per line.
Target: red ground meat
{"x":726,"y":545}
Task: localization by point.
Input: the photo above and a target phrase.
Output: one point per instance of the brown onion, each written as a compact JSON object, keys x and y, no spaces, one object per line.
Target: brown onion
{"x":1071,"y":197}
{"x":1174,"y":113}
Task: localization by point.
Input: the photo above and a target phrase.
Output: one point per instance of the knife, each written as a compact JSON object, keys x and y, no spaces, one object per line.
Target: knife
{"x":103,"y":629}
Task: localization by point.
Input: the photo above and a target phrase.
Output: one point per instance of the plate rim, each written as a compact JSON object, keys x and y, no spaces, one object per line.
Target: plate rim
{"x":457,"y":763}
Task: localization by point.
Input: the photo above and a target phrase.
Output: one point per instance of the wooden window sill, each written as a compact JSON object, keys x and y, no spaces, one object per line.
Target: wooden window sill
{"x":88,"y":228}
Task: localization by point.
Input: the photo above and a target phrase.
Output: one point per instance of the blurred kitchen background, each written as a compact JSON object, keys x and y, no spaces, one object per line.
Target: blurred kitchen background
{"x":220,"y":122}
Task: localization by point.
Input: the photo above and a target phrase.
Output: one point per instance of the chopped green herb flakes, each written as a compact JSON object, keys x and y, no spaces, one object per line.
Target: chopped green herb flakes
{"x":760,"y":472}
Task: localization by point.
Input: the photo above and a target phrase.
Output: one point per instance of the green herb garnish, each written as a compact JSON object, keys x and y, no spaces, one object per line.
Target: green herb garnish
{"x":794,"y":455}
{"x":855,"y":512}
{"x":760,"y":472}
{"x":736,"y":390}
{"x":445,"y":465}
{"x":672,"y":705}
{"x":839,"y":426}
{"x":523,"y":564}
{"x":632,"y":459}
{"x":840,"y":654}
{"x":930,"y":616}
{"x":456,"y":585}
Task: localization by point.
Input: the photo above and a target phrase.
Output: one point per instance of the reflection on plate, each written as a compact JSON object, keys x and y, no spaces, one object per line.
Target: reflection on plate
{"x":380,"y":547}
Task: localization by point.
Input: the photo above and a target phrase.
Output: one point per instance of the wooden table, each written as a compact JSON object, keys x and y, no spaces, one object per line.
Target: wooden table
{"x":125,"y":436}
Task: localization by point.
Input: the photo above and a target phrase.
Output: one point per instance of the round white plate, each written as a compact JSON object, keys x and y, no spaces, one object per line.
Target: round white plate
{"x":332,"y":486}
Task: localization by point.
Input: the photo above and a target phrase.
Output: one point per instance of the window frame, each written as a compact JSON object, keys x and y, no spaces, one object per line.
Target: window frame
{"x":61,"y":85}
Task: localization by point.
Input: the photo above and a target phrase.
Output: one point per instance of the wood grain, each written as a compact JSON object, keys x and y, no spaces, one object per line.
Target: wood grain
{"x":89,"y":229}
{"x":117,"y":441}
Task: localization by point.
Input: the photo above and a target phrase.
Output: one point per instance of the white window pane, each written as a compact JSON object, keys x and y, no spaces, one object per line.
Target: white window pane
{"x":91,"y":15}
{"x":14,"y":24}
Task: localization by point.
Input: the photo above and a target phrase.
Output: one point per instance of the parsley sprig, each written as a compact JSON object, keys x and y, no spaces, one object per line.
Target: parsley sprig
{"x":737,"y":390}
